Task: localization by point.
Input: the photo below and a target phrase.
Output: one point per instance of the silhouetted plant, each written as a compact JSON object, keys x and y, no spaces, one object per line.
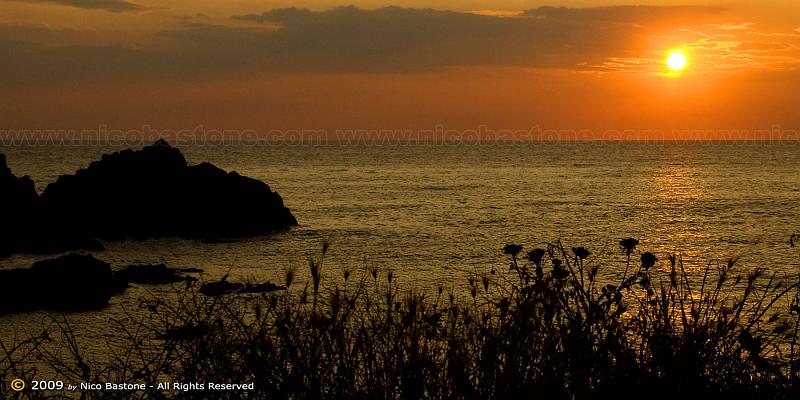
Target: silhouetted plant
{"x":546,"y":328}
{"x":648,"y":259}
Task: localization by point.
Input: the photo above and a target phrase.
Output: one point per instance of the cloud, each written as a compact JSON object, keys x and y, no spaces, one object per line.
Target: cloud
{"x":188,"y":18}
{"x":41,"y":32}
{"x":108,"y":5}
{"x":624,"y":14}
{"x":353,"y":40}
{"x":36,"y":64}
{"x":497,"y":13}
{"x":732,"y":27}
{"x":406,"y":39}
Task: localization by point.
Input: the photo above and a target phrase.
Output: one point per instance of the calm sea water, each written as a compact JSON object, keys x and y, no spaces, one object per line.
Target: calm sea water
{"x":434,"y":213}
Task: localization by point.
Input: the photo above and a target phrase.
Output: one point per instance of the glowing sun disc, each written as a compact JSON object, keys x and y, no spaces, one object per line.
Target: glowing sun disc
{"x":676,"y":61}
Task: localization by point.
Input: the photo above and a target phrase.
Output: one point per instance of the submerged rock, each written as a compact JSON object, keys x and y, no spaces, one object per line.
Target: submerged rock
{"x":218,"y":288}
{"x":189,"y":270}
{"x":265,"y":287}
{"x":68,"y":283}
{"x":223,"y":287}
{"x":158,"y":274}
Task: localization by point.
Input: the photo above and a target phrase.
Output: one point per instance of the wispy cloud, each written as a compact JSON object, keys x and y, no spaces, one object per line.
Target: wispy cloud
{"x":107,"y":5}
{"x":776,"y":34}
{"x":732,"y":27}
{"x":497,"y":13}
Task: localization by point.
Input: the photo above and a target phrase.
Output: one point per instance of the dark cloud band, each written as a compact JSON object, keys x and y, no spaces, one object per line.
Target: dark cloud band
{"x":108,"y":5}
{"x":349,"y":39}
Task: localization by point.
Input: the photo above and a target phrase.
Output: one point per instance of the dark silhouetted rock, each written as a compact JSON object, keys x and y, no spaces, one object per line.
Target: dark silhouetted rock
{"x":149,"y":193}
{"x":76,"y":283}
{"x":265,"y":287}
{"x":18,"y":205}
{"x":153,"y":192}
{"x":158,"y":274}
{"x":218,"y":288}
{"x":190,"y":270}
{"x":16,"y":191}
{"x":68,"y":283}
{"x":222,"y":287}
{"x":24,"y":228}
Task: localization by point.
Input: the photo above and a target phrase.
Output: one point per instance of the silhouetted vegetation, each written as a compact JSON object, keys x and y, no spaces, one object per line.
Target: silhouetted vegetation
{"x":547,"y":328}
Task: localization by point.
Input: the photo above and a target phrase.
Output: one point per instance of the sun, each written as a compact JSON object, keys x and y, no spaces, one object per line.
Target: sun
{"x":676,"y":60}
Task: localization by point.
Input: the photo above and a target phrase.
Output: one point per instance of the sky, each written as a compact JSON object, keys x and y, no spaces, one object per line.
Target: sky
{"x":590,"y":69}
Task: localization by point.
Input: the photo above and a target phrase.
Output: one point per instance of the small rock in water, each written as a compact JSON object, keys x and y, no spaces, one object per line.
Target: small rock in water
{"x":222,"y":287}
{"x":218,"y":288}
{"x":265,"y":287}
{"x":152,"y":274}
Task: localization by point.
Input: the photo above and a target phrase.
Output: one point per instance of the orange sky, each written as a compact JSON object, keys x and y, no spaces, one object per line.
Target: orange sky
{"x":593,"y":68}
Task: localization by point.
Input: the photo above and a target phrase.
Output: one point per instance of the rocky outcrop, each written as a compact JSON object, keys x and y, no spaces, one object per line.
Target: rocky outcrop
{"x":77,"y":283}
{"x":18,"y":203}
{"x":16,"y":191}
{"x":153,"y":192}
{"x":147,"y":193}
{"x":68,"y":283}
{"x":23,"y":227}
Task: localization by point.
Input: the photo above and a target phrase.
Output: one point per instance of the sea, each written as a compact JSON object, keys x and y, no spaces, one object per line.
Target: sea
{"x":437,"y":213}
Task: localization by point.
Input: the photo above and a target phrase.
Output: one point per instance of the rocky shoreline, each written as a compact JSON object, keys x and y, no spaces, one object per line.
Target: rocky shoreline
{"x":80,"y":282}
{"x":137,"y":194}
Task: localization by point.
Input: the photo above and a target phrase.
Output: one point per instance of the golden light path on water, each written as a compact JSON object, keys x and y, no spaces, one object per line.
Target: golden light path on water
{"x":681,"y":186}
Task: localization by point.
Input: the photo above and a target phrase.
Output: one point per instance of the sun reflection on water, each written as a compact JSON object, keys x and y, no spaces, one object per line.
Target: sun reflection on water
{"x":678,"y":184}
{"x":679,"y":195}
